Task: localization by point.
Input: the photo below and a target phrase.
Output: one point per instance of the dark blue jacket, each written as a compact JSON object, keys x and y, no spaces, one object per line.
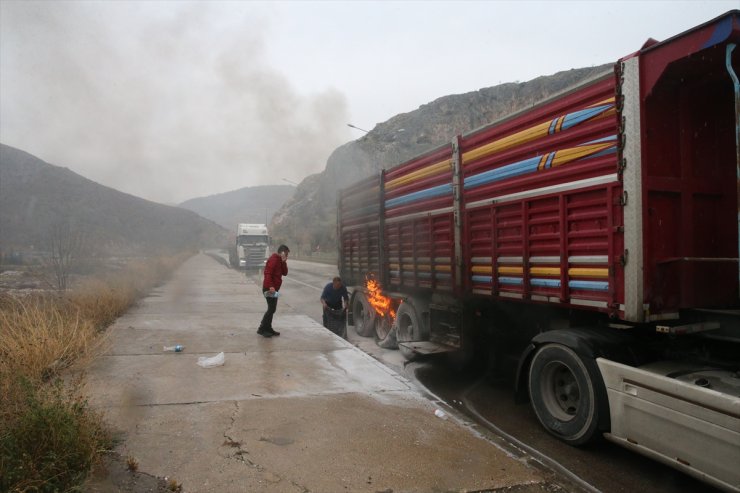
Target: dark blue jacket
{"x":333,"y":297}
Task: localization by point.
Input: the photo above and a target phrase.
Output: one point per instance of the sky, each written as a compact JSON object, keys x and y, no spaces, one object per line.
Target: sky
{"x":172,"y":100}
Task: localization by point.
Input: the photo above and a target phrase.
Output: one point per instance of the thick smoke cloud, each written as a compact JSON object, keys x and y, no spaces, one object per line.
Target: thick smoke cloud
{"x":167,"y":101}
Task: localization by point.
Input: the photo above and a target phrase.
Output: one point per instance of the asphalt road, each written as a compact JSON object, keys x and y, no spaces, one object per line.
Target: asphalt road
{"x":489,"y":403}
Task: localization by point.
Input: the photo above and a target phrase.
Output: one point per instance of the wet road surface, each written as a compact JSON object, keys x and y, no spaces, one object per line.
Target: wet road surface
{"x":302,"y":412}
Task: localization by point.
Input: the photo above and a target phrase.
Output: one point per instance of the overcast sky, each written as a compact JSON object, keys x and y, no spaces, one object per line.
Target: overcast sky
{"x":174,"y":100}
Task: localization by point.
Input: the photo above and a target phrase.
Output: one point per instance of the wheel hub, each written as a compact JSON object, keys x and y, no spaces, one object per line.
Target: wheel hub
{"x":560,"y":391}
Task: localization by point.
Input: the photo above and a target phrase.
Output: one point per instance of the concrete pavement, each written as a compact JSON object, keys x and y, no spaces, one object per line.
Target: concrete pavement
{"x":303,"y":412}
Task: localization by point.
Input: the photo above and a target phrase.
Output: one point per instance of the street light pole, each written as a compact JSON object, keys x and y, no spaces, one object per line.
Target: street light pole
{"x":358,"y":128}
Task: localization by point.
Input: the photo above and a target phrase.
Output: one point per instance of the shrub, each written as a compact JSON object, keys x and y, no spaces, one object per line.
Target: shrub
{"x":49,"y":436}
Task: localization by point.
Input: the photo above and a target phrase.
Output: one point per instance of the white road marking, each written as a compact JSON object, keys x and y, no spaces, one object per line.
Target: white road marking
{"x":301,"y":282}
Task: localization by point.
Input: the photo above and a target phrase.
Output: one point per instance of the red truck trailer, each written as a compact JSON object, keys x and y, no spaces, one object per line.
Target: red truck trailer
{"x":588,"y":244}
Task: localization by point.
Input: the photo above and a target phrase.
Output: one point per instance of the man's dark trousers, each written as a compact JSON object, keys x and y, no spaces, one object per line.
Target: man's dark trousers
{"x":266,"y":324}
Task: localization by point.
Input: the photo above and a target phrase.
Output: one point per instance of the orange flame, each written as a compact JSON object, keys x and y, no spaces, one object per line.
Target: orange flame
{"x":381,"y":303}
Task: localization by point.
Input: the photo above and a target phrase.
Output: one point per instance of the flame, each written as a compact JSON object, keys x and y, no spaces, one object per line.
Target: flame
{"x":381,"y":303}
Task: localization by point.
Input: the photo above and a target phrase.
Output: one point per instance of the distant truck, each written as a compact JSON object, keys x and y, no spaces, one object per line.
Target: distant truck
{"x":252,"y":246}
{"x":587,"y":246}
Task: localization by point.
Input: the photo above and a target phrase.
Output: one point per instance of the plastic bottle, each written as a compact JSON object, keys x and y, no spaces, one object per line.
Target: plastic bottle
{"x":440,"y":414}
{"x":175,"y":349}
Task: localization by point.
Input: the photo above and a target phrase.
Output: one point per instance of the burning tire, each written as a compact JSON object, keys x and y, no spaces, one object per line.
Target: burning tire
{"x":408,"y":329}
{"x":563,"y":394}
{"x":363,"y":315}
{"x":385,"y":332}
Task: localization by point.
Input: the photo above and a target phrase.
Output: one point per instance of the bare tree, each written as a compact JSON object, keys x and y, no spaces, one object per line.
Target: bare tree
{"x":66,"y":244}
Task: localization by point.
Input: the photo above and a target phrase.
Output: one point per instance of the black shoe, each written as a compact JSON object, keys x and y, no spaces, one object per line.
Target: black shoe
{"x":264,"y":333}
{"x":274,"y":332}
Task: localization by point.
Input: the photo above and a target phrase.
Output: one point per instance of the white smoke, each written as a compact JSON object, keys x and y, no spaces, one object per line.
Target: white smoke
{"x":167,"y":101}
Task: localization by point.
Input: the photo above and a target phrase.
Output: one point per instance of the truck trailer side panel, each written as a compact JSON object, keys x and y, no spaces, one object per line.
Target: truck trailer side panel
{"x":547,"y":172}
{"x":542,"y":204}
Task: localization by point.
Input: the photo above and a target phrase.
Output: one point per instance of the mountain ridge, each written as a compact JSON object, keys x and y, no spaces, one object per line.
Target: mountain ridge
{"x":245,"y":205}
{"x":36,"y":195}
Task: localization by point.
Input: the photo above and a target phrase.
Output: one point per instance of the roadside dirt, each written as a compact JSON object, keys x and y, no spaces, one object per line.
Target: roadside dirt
{"x":113,"y":475}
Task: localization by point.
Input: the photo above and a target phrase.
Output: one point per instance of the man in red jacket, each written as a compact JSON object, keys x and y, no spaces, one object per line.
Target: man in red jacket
{"x":275,"y":269}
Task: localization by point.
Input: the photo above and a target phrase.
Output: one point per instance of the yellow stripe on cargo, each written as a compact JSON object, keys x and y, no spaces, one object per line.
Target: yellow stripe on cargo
{"x":598,"y":110}
{"x":588,"y":272}
{"x":507,"y":142}
{"x":419,"y":174}
{"x":567,"y":155}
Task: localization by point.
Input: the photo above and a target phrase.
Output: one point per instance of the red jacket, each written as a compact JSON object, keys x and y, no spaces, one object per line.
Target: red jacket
{"x":275,"y":269}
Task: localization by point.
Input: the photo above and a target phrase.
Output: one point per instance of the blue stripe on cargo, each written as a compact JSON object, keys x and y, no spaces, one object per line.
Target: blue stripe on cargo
{"x":482,"y":279}
{"x":517,"y":281}
{"x":508,"y":171}
{"x":549,"y":160}
{"x":572,"y":119}
{"x":589,"y":285}
{"x":424,"y":275}
{"x":429,"y":193}
{"x":520,"y":167}
{"x":545,"y":283}
{"x":609,"y":138}
{"x":605,"y":152}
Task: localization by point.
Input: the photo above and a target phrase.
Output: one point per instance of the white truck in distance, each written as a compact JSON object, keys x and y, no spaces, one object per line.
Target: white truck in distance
{"x":252,"y":246}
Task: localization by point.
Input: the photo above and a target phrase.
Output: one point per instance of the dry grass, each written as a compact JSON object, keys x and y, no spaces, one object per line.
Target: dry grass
{"x":42,"y":336}
{"x":49,"y":437}
{"x":132,"y":464}
{"x":173,"y":485}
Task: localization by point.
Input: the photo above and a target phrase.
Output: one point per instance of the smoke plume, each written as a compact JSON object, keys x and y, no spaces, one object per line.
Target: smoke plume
{"x":167,"y":101}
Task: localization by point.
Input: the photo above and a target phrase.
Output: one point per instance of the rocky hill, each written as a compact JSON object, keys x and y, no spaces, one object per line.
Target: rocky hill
{"x":246,"y":205}
{"x":36,"y":197}
{"x":309,"y":217}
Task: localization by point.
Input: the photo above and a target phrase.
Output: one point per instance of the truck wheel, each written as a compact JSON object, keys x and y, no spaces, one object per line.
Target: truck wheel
{"x":385,"y":333}
{"x":363,"y":315}
{"x":562,"y":391}
{"x":409,"y":329}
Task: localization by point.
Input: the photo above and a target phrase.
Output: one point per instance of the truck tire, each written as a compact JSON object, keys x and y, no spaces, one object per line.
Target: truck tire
{"x":363,"y":315}
{"x":385,"y":333}
{"x":408,"y":329}
{"x":562,"y":390}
